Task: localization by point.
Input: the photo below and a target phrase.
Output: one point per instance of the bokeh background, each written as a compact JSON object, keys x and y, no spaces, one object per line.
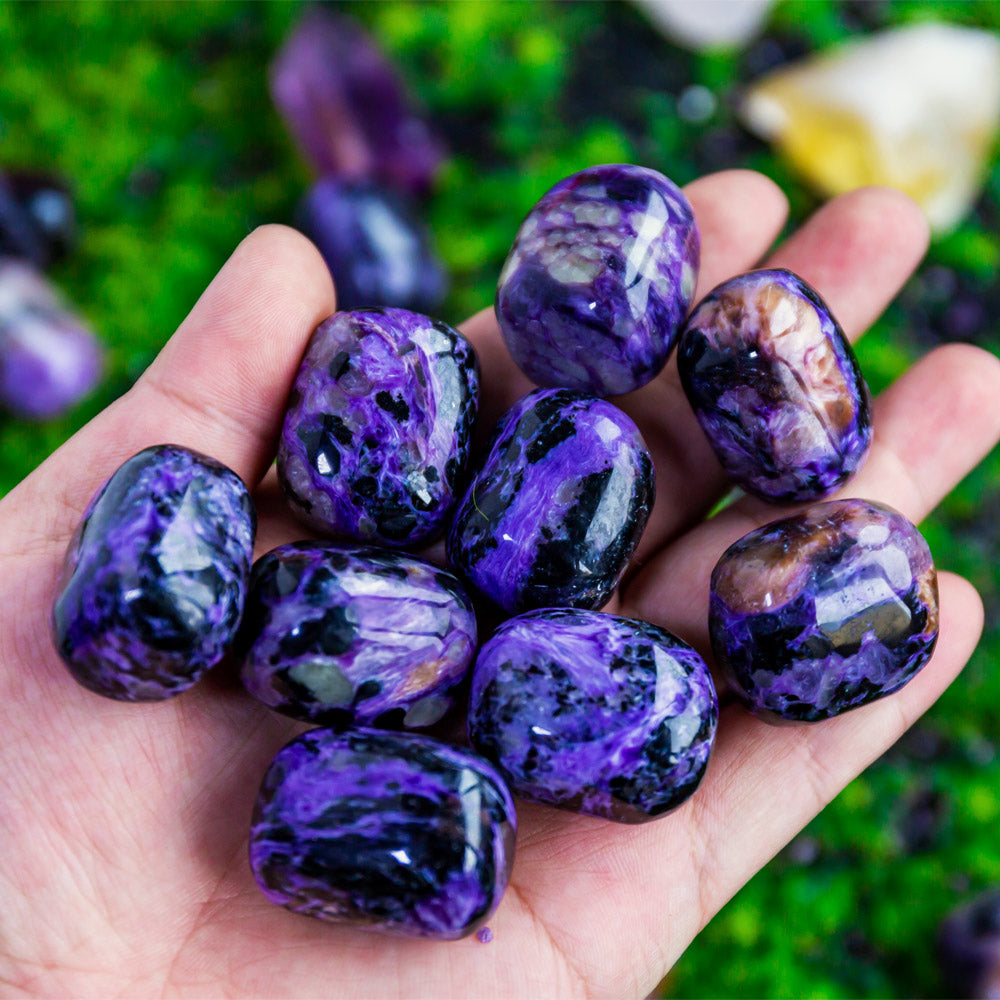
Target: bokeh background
{"x":160,"y":118}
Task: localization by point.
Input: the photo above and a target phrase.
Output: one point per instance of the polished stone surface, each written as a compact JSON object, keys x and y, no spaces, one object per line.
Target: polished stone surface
{"x":49,"y":359}
{"x":387,"y":831}
{"x":555,"y":511}
{"x":593,"y":713}
{"x":824,"y":611}
{"x":347,"y":635}
{"x":156,"y":576}
{"x":598,"y":280}
{"x":378,"y":427}
{"x":776,"y":387}
{"x":377,"y":251}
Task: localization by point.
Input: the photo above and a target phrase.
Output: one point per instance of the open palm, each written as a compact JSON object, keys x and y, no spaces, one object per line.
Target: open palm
{"x":124,"y":826}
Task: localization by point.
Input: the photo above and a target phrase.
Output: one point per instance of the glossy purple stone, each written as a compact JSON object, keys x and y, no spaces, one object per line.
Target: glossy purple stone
{"x":388,"y":831}
{"x":377,"y":251}
{"x":355,"y":636}
{"x":593,"y":713}
{"x":824,"y":611}
{"x":556,"y":510}
{"x":349,"y":109}
{"x":48,"y":359}
{"x":156,"y":576}
{"x":776,"y":387}
{"x":378,"y":426}
{"x":969,"y":949}
{"x":599,"y":278}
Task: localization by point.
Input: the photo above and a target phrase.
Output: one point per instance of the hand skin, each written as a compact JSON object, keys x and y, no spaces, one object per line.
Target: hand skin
{"x":124,"y":827}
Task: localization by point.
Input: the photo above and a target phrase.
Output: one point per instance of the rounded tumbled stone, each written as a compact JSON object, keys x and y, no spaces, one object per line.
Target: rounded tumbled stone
{"x":388,"y":831}
{"x":377,"y":431}
{"x":593,"y":713}
{"x":554,"y":513}
{"x":355,"y":636}
{"x":775,"y":386}
{"x":824,"y":611}
{"x":599,"y":278}
{"x":156,"y":576}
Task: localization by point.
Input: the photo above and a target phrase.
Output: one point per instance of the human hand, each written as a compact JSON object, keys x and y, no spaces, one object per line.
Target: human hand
{"x":124,"y":827}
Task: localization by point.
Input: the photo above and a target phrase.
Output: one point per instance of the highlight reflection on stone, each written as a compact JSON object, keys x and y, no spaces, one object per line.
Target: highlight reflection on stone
{"x":49,"y":360}
{"x":598,"y":280}
{"x":386,"y":831}
{"x":593,"y":713}
{"x":554,"y":513}
{"x":824,"y":611}
{"x":355,"y":636}
{"x":155,"y":576}
{"x":776,"y":387}
{"x":378,"y":427}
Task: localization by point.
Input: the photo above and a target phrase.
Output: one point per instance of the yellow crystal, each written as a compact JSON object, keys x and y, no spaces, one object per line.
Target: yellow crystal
{"x":916,"y":108}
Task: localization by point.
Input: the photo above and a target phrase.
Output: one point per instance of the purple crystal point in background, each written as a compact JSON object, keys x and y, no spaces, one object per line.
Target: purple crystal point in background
{"x":775,"y":386}
{"x":598,"y":280}
{"x":377,"y":251}
{"x":824,"y":611}
{"x":389,"y":831}
{"x":969,"y":949}
{"x":594,"y":713}
{"x":554,"y":513}
{"x":156,"y":576}
{"x":378,"y":426}
{"x":48,"y":359}
{"x":349,"y":109}
{"x":345,"y":636}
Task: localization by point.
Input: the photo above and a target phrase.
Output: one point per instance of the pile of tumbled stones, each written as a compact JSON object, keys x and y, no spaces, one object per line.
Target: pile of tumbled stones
{"x":364,"y":820}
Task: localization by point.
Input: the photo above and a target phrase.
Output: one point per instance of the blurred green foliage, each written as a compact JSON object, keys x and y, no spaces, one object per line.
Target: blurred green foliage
{"x":159,"y":114}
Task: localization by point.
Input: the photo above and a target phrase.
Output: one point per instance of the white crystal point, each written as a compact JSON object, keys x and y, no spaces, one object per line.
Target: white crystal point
{"x":706,"y":24}
{"x":916,"y":108}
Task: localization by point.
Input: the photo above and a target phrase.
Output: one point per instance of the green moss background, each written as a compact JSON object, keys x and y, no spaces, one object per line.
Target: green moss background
{"x":160,"y":117}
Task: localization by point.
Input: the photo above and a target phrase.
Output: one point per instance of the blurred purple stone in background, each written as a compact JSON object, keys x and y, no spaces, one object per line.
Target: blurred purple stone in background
{"x":373,"y":243}
{"x":349,"y":109}
{"x":37,"y":216}
{"x":969,"y":948}
{"x":48,"y":359}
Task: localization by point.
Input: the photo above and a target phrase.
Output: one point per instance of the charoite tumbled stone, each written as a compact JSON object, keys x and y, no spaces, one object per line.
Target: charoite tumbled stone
{"x":775,"y":386}
{"x":377,"y":251}
{"x":556,"y":510}
{"x":355,"y":636}
{"x":594,"y":713}
{"x":156,"y":576}
{"x":599,"y":278}
{"x":389,"y":831}
{"x":378,"y":426}
{"x":824,"y":611}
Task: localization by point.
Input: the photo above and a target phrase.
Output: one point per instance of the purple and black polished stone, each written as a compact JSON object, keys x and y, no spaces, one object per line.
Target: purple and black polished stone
{"x":355,"y":636}
{"x":555,"y":511}
{"x":378,"y":428}
{"x":599,"y":279}
{"x":823,"y":611}
{"x":377,"y":251}
{"x":348,"y":107}
{"x":968,"y":947}
{"x":156,"y":576}
{"x":593,"y":713}
{"x":776,"y":387}
{"x":49,"y":360}
{"x":388,"y":831}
